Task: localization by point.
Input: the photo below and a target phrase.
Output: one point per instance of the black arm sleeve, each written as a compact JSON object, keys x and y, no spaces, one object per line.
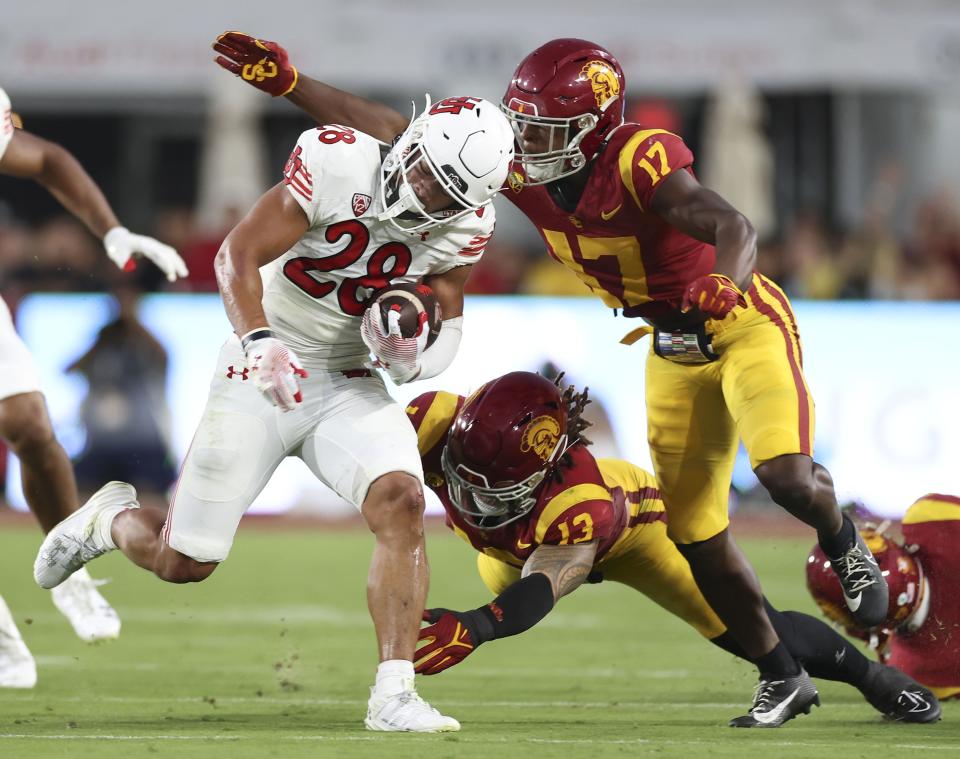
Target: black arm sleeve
{"x":515,"y":610}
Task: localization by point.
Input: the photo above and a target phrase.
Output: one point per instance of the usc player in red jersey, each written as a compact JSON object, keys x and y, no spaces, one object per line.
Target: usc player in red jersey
{"x":921,"y":632}
{"x":513,"y":471}
{"x":620,"y":206}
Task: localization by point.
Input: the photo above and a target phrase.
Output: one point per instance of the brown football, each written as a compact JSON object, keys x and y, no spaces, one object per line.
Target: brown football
{"x":417,"y":305}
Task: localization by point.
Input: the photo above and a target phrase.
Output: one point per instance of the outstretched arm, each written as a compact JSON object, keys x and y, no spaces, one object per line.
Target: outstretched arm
{"x":550,"y":573}
{"x":266,"y":66}
{"x":328,"y":105}
{"x":31,"y":157}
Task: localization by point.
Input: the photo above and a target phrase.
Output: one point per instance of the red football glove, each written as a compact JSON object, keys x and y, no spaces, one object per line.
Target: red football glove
{"x":263,"y":64}
{"x":445,"y":642}
{"x":715,"y":295}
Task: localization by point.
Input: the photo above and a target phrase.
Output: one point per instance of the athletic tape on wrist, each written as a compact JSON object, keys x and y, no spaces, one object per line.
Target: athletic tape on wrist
{"x":255,"y":334}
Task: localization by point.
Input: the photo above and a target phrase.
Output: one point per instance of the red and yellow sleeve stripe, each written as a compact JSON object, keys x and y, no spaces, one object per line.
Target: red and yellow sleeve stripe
{"x":562,"y":502}
{"x":629,"y":159}
{"x":431,"y":415}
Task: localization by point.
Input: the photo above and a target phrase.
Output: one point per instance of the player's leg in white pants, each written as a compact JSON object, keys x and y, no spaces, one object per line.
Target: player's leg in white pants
{"x":46,"y":475}
{"x":365,"y":449}
{"x":239,"y":442}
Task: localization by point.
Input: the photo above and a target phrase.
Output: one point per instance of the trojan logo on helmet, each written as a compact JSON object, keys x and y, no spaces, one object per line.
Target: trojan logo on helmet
{"x":541,"y":436}
{"x":564,"y":102}
{"x":603,"y":79}
{"x":503,"y":443}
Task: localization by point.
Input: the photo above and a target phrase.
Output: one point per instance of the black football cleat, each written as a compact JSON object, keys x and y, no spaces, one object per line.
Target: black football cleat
{"x":898,"y":696}
{"x":864,"y":587}
{"x":778,"y":701}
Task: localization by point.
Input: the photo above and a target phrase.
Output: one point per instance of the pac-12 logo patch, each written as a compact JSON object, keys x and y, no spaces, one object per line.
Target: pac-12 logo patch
{"x":361,"y":203}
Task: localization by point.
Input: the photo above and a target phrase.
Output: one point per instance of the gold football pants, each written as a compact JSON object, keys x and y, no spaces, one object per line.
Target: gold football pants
{"x":696,"y":413}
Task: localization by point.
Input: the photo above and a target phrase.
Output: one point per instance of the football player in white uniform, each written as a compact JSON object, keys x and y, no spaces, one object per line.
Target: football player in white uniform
{"x":349,"y":217}
{"x":48,"y":482}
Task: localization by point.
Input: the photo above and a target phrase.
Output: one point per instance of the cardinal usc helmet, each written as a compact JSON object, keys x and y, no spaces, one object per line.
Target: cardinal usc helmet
{"x":909,"y":588}
{"x":466,"y":143}
{"x":503,"y":443}
{"x":563,"y":102}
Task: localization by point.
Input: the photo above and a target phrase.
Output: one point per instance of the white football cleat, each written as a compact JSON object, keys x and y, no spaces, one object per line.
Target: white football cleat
{"x":406,"y":712}
{"x":17,"y":668}
{"x":82,"y":536}
{"x":92,"y":617}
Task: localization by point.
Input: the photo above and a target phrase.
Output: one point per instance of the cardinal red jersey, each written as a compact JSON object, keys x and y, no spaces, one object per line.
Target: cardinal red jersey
{"x":594,"y":501}
{"x":621,"y":250}
{"x":931,"y":655}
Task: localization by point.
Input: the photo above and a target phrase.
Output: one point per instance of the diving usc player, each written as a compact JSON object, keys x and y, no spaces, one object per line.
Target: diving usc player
{"x":607,"y":514}
{"x":921,"y":633}
{"x":620,"y":206}
{"x":519,"y":485}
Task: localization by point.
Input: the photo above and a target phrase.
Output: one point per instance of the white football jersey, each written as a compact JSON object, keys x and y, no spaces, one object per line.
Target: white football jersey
{"x":314,"y":300}
{"x":6,"y":122}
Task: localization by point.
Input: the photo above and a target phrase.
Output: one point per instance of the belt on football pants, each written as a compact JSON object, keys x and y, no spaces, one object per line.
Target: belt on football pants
{"x":682,"y":347}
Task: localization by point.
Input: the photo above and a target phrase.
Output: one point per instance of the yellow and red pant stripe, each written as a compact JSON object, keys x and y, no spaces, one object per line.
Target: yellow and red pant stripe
{"x":771,"y":301}
{"x":755,"y":392}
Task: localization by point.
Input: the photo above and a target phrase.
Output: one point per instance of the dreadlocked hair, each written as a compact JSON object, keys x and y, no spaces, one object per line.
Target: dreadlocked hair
{"x":575,"y":402}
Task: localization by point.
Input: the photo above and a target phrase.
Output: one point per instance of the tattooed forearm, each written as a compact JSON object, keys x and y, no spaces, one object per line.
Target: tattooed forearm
{"x":566,"y":567}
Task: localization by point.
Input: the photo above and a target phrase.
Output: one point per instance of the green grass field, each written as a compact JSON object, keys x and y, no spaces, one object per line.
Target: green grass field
{"x":273,"y":655}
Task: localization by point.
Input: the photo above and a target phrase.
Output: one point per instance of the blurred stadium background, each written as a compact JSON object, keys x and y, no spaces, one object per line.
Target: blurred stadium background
{"x":832,"y":125}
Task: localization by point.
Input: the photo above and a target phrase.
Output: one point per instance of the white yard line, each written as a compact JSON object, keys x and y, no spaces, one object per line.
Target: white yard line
{"x":449,"y":739}
{"x":642,"y":705}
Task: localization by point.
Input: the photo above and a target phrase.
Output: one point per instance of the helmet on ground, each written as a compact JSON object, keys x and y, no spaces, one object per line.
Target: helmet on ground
{"x":909,"y":588}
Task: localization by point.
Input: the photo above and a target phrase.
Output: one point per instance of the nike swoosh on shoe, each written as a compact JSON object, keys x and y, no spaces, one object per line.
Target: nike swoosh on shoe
{"x":853,"y":603}
{"x":770,"y":717}
{"x":918,"y":702}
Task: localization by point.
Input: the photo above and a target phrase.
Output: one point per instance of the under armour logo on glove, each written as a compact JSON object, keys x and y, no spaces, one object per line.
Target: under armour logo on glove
{"x":274,"y":370}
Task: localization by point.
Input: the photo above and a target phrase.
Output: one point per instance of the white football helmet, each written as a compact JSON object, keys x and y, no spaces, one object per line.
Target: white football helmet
{"x":466,"y":143}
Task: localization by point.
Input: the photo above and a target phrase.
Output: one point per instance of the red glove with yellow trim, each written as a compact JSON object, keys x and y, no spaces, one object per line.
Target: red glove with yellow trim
{"x":445,"y":642}
{"x":263,"y":64}
{"x":715,"y":295}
